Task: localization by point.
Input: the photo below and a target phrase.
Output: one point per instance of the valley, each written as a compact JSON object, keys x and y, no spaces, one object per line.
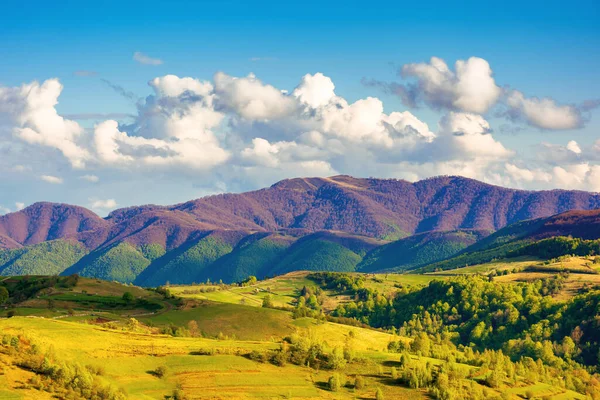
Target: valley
{"x":302,"y":306}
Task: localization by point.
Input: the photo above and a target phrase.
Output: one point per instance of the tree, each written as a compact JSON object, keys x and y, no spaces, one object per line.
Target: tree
{"x":267,"y":301}
{"x":336,"y":359}
{"x":3,"y":295}
{"x":359,"y":382}
{"x":128,"y":297}
{"x":133,"y":324}
{"x":379,"y":394}
{"x":160,"y":371}
{"x":193,"y":328}
{"x":334,"y":383}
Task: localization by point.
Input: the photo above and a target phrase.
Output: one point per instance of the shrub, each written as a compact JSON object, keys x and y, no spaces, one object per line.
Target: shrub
{"x":379,"y":394}
{"x":128,"y":297}
{"x":334,"y":383}
{"x":161,"y":371}
{"x":359,"y":382}
{"x":3,"y":295}
{"x":267,"y":301}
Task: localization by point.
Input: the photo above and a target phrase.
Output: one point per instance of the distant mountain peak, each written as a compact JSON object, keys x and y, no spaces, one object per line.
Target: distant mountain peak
{"x":380,"y":208}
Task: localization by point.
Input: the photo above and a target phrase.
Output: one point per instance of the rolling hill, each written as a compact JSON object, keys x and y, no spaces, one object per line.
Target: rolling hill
{"x":419,"y":250}
{"x":523,"y":238}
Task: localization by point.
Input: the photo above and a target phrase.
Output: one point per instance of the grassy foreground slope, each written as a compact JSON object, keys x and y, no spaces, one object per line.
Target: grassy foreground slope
{"x":198,"y":349}
{"x":127,"y":360}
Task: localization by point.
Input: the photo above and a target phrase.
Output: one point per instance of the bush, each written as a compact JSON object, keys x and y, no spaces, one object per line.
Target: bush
{"x":128,"y":297}
{"x":359,"y":382}
{"x":379,"y":394}
{"x":3,"y":295}
{"x":334,"y":383}
{"x":267,"y":301}
{"x":161,"y":371}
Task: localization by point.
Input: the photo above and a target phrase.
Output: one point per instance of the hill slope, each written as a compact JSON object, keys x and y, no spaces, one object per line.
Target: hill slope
{"x":512,"y":239}
{"x":383,"y":208}
{"x":304,"y":223}
{"x":418,"y":250}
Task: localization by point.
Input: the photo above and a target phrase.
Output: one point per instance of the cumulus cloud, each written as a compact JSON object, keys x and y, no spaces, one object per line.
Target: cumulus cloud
{"x":145,"y":59}
{"x":251,"y":99}
{"x":55,"y":180}
{"x":19,"y":205}
{"x":241,"y":133}
{"x":31,"y":110}
{"x":315,"y":90}
{"x":470,"y":87}
{"x":543,"y":113}
{"x":573,"y":147}
{"x":467,"y":136}
{"x":107,"y":204}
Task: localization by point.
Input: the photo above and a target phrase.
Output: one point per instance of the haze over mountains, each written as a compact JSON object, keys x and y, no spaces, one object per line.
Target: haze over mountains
{"x":304,"y":223}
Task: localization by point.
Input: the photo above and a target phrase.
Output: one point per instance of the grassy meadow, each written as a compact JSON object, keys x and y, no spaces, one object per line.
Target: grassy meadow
{"x":216,"y":341}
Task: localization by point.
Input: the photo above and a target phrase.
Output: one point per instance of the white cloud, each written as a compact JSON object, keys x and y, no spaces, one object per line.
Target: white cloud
{"x":241,"y":133}
{"x":251,"y":99}
{"x":4,"y":210}
{"x":107,"y":204}
{"x":51,"y":179}
{"x":173,"y":86}
{"x":31,"y":109}
{"x":19,"y":205}
{"x":543,"y":113}
{"x":523,"y":174}
{"x":90,"y":178}
{"x":470,"y":88}
{"x":146,"y":60}
{"x":574,"y":147}
{"x":115,"y":148}
{"x":464,"y":135}
{"x":315,"y":90}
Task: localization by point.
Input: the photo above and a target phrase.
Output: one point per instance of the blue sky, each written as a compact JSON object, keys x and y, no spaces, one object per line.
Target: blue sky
{"x":543,"y":49}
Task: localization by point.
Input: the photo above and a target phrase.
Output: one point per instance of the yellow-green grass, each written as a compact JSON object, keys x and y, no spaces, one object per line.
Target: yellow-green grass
{"x":574,"y":264}
{"x":387,"y":283}
{"x":128,"y":357}
{"x":572,"y":285}
{"x":106,"y":288}
{"x":498,"y":265}
{"x":241,"y":321}
{"x":283,"y":290}
{"x":88,"y":296}
{"x":540,"y":390}
{"x":336,"y":335}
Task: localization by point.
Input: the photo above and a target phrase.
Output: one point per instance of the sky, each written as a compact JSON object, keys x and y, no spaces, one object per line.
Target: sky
{"x":112,"y":104}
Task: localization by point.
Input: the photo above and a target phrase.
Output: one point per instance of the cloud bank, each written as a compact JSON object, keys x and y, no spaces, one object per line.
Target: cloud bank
{"x":471,"y":87}
{"x":239,"y":133}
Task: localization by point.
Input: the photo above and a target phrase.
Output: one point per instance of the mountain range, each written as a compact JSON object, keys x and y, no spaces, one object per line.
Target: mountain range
{"x":339,"y":223}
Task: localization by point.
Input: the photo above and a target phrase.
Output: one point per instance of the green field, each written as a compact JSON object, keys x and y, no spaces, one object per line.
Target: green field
{"x":216,"y":341}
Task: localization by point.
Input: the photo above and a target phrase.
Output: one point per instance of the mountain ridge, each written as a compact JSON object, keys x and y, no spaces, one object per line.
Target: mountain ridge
{"x":380,"y":208}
